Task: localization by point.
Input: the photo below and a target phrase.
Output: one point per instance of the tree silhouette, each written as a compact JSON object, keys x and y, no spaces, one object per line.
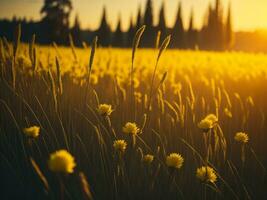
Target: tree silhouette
{"x":206,"y":29}
{"x":178,"y":32}
{"x":228,"y":30}
{"x":215,"y":34}
{"x":162,"y":22}
{"x":218,"y":32}
{"x":76,"y":32}
{"x":150,"y":33}
{"x":104,"y":32}
{"x":130,"y":33}
{"x":55,"y":21}
{"x":148,"y":17}
{"x":192,"y":39}
{"x":118,"y":36}
{"x":212,"y":33}
{"x":139,"y":19}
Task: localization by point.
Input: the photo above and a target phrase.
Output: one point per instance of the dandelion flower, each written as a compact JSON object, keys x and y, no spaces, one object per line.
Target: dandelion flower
{"x":32,"y":131}
{"x":241,"y":137}
{"x":61,"y":161}
{"x":93,"y":79}
{"x":136,"y":83}
{"x":206,"y":174}
{"x":205,"y":125}
{"x":208,"y":122}
{"x":138,"y":96}
{"x":148,"y":158}
{"x":212,"y":118}
{"x":130,"y":128}
{"x":120,"y":145}
{"x":23,"y":60}
{"x":104,"y":109}
{"x":174,"y":160}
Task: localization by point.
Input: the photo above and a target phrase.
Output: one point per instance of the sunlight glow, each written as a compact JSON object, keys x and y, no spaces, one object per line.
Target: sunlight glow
{"x":247,"y":14}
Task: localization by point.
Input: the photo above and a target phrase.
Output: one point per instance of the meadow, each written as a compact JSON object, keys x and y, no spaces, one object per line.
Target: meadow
{"x":185,"y":109}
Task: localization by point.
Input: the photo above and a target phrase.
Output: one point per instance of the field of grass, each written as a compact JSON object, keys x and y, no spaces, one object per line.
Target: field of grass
{"x":49,"y":87}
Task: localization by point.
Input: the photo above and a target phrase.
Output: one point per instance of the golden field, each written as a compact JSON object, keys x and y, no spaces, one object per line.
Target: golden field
{"x":182,"y":142}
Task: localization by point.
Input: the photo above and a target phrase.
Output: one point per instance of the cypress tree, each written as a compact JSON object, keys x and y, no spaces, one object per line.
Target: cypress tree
{"x":212,"y":34}
{"x":76,"y":32}
{"x":130,"y":33}
{"x":162,"y":22}
{"x":218,"y":24}
{"x":148,"y":17}
{"x":228,"y":30}
{"x":118,"y":35}
{"x":150,"y":33}
{"x":178,"y":33}
{"x":139,"y":19}
{"x":192,"y":33}
{"x":104,"y":32}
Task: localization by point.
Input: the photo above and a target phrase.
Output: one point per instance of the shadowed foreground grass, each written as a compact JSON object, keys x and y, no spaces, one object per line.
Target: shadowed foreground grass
{"x":168,"y":151}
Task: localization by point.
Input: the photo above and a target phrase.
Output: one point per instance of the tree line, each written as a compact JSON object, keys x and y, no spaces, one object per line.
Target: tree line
{"x":215,"y":34}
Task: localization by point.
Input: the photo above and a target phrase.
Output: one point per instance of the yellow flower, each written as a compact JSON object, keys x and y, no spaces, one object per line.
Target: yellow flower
{"x":205,"y":124}
{"x":32,"y":131}
{"x":174,"y":160}
{"x":93,"y":79}
{"x":130,"y":128}
{"x":104,"y":109}
{"x":23,"y":60}
{"x":148,"y":158}
{"x":61,"y":161}
{"x":208,"y":122}
{"x":136,"y":82}
{"x":120,"y":145}
{"x":138,"y":96}
{"x":206,"y":174}
{"x":212,"y":118}
{"x":241,"y":137}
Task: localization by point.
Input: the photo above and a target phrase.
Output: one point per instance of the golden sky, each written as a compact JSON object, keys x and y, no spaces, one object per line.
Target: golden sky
{"x":247,"y":14}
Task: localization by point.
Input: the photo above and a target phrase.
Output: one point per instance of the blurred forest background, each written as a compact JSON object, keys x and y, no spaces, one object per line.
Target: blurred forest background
{"x":216,"y":32}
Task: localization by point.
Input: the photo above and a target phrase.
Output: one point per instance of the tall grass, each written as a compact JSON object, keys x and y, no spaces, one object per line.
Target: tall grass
{"x":166,"y":101}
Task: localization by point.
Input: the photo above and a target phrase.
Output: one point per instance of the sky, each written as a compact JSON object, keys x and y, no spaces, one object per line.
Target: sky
{"x":247,"y":15}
